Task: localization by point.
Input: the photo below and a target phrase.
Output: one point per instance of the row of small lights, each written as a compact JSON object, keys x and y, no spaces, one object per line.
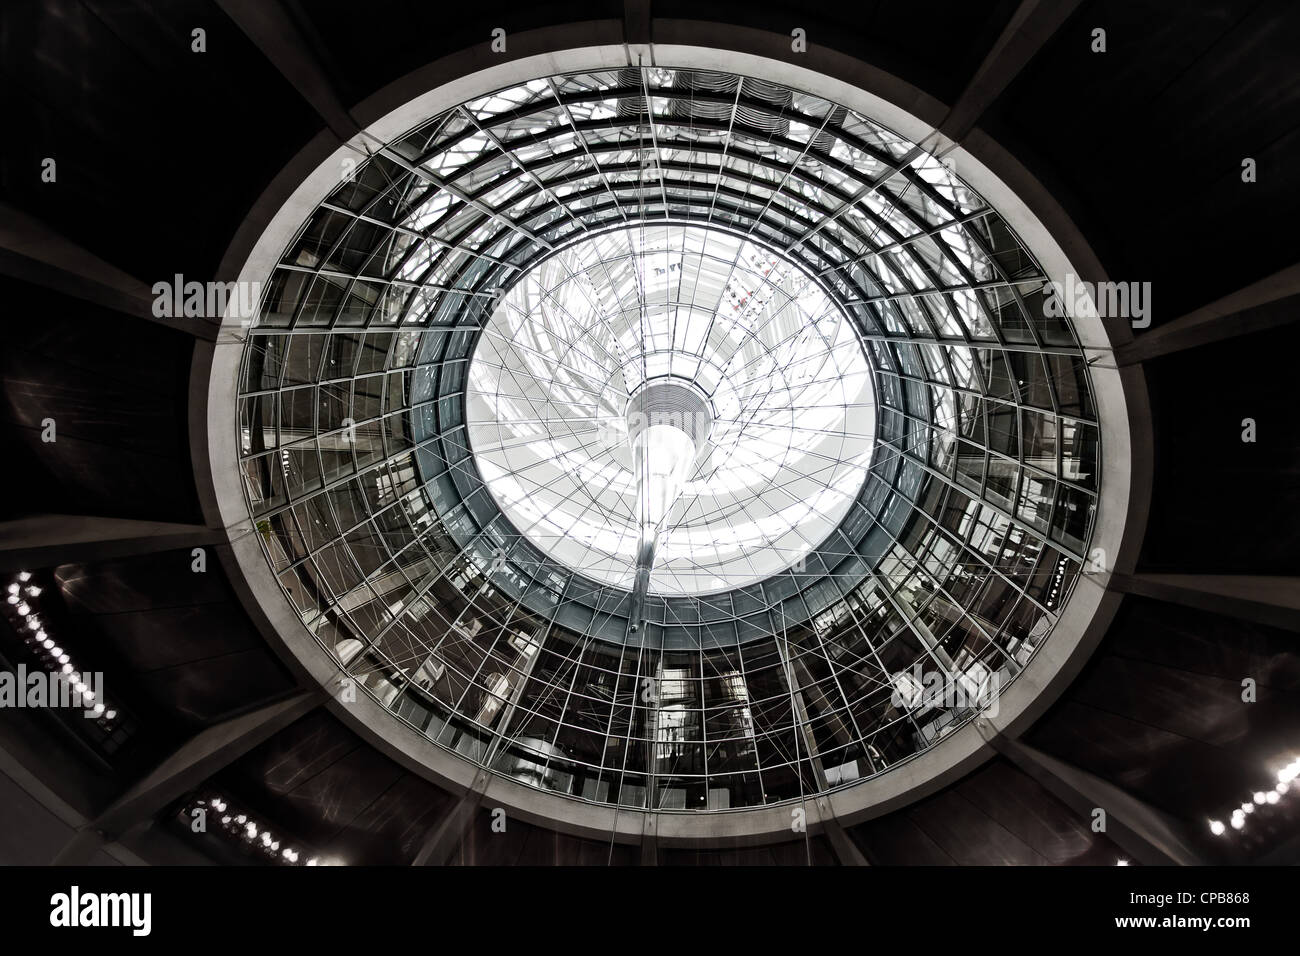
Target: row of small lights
{"x":22,"y":594}
{"x":245,"y":828}
{"x":1285,"y":777}
{"x":1056,"y":587}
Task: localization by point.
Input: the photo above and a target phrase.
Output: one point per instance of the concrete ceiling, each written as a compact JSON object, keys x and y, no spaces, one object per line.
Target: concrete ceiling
{"x":161,"y":153}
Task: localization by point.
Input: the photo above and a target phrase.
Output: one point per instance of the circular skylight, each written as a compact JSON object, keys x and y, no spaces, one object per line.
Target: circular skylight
{"x":658,"y":437}
{"x":790,"y":417}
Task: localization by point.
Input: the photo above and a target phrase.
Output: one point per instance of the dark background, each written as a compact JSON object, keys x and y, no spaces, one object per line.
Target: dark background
{"x":162,"y":152}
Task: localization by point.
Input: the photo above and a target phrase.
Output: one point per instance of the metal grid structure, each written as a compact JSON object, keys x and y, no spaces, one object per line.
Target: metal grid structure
{"x":954,"y":557}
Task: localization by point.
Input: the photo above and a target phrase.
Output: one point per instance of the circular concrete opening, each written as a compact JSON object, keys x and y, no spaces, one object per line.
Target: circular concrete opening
{"x":971,"y":444}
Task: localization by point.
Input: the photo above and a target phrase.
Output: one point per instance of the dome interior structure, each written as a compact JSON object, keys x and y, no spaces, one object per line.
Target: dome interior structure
{"x":899,"y":478}
{"x":471,"y":532}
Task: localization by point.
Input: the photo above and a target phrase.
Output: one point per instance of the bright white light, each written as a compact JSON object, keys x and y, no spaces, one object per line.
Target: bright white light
{"x":24,"y":576}
{"x":1217,"y":827}
{"x":664,"y":457}
{"x":1238,"y":822}
{"x":1272,"y":796}
{"x":786,"y":378}
{"x":1259,"y":796}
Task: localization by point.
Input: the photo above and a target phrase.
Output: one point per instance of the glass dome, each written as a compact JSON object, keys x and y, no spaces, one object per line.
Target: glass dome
{"x":441,"y":456}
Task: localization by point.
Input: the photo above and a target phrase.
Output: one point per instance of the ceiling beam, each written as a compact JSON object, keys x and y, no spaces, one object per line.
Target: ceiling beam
{"x":32,"y":251}
{"x":1030,"y":27}
{"x":842,"y":845}
{"x":1148,"y":834}
{"x":649,"y":840}
{"x":1270,"y":302}
{"x":42,"y":541}
{"x":449,"y":834}
{"x":140,"y":848}
{"x":1274,"y":601}
{"x":194,"y":762}
{"x":636,"y":22}
{"x":274,"y":33}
